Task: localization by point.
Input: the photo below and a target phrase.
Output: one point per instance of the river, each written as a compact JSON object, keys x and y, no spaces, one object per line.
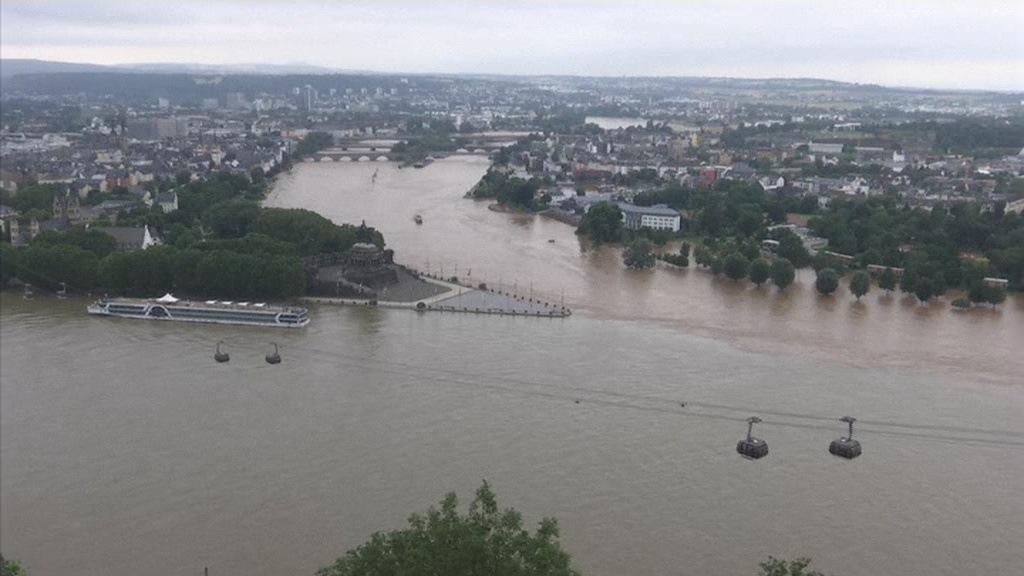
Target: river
{"x":125,"y":450}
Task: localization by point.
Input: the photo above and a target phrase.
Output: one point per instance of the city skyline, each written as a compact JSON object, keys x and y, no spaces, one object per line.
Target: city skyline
{"x":911,"y":44}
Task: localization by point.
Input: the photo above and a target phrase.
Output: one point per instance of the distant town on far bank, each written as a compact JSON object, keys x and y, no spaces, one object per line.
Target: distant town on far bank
{"x":926,"y":183}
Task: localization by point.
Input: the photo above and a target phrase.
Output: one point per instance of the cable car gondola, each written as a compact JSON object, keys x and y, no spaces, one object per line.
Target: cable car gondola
{"x":274,"y":357}
{"x":846,"y":447}
{"x":750,"y":447}
{"x":221,"y":356}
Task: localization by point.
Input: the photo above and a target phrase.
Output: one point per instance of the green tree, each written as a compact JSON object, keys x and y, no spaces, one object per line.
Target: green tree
{"x":827,"y":281}
{"x":639,"y":254}
{"x":749,"y":222}
{"x":909,"y":280}
{"x":716,"y":266}
{"x":8,"y":263}
{"x":776,"y":567}
{"x":961,"y":303}
{"x":860,"y":283}
{"x":736,"y":266}
{"x":444,"y":542}
{"x":11,"y":567}
{"x":48,"y":265}
{"x":28,"y":198}
{"x":887,"y":281}
{"x":924,"y":289}
{"x":712,"y":217}
{"x":996,"y":295}
{"x":977,"y":292}
{"x":313,"y":143}
{"x":310,"y":232}
{"x":602,"y":223}
{"x":183,"y":177}
{"x":783,"y":273}
{"x":703,"y":256}
{"x":760,"y":271}
{"x":792,"y":248}
{"x":95,"y":241}
{"x":231,"y":219}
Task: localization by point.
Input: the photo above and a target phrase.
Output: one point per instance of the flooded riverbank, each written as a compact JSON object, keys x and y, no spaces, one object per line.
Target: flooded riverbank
{"x":514,"y":251}
{"x":125,"y":449}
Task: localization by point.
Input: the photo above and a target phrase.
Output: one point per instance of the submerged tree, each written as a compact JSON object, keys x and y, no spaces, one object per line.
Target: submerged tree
{"x":996,"y":295}
{"x":860,"y":283}
{"x":776,"y":567}
{"x":716,"y":266}
{"x":887,"y":281}
{"x":639,"y":254}
{"x":760,"y":271}
{"x":11,"y":567}
{"x":443,"y":541}
{"x":602,"y":223}
{"x":827,"y":281}
{"x":736,"y":266}
{"x":783,"y":273}
{"x":924,"y":289}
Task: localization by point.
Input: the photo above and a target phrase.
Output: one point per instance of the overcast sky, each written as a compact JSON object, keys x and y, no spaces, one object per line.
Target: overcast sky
{"x":935,"y":43}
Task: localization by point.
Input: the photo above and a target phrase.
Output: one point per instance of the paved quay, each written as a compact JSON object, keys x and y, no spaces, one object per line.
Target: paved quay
{"x":487,"y":302}
{"x":445,"y":296}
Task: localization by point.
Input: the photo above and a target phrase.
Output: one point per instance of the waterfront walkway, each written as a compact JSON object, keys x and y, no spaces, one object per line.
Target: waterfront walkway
{"x":446,"y":296}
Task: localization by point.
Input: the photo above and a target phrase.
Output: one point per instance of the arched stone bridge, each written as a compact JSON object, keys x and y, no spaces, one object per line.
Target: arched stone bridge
{"x":354,"y":154}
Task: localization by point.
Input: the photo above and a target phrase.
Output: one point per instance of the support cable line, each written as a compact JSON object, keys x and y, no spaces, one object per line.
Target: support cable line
{"x":663,"y":405}
{"x":678,"y":406}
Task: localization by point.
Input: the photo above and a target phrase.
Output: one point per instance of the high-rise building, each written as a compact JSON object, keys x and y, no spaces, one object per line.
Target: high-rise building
{"x":309,"y":96}
{"x":151,"y":129}
{"x":236,"y":101}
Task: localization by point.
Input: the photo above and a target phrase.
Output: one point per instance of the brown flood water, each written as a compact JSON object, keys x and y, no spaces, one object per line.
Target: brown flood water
{"x":462,"y":237}
{"x":126,"y":450}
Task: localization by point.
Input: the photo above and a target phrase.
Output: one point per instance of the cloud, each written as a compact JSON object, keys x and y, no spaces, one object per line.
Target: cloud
{"x":936,"y":43}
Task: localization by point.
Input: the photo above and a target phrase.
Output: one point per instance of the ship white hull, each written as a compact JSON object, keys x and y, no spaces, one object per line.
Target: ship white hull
{"x":98,"y":311}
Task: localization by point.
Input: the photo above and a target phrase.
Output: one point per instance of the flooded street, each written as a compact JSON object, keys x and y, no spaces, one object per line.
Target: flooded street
{"x":126,"y":450}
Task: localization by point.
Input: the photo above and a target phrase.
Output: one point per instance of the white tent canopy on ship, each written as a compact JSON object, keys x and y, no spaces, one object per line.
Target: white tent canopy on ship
{"x":167,"y":299}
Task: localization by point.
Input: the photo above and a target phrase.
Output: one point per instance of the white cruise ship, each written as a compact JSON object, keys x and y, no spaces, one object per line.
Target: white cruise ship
{"x":168,"y":307}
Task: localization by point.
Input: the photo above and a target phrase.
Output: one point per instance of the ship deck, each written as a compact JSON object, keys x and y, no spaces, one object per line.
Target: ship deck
{"x":208,"y":304}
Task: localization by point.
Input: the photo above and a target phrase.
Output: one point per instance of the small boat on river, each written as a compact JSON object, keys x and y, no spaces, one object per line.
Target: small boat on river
{"x":418,"y":219}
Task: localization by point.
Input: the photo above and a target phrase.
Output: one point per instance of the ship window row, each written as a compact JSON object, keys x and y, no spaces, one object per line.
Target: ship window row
{"x":126,"y":309}
{"x":224,"y":315}
{"x":209,"y":312}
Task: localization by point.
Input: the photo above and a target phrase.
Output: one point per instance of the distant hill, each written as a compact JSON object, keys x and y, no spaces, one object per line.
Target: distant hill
{"x":190,"y":68}
{"x":11,"y":66}
{"x":191,"y":82}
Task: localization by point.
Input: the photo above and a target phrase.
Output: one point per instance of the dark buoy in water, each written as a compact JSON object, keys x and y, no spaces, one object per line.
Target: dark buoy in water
{"x":846,"y":447}
{"x":221,"y":356}
{"x":751,"y":447}
{"x":273,"y":357}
